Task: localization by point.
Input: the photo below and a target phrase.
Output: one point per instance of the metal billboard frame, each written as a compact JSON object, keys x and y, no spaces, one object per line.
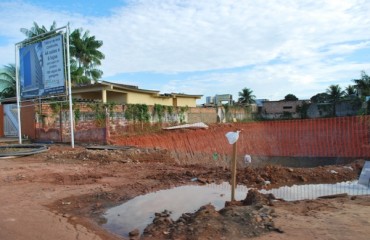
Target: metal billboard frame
{"x":66,"y":67}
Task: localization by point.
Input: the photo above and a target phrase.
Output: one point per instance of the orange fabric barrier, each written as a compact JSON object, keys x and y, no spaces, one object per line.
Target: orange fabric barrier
{"x":326,"y":137}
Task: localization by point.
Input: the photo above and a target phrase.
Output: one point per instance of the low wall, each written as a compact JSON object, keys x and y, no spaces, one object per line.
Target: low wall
{"x":206,"y":115}
{"x":94,"y":135}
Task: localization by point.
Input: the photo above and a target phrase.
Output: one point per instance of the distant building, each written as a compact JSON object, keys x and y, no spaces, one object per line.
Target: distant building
{"x":127,"y":94}
{"x":219,"y":99}
{"x":210,"y":100}
{"x":282,"y":109}
{"x":259,"y":104}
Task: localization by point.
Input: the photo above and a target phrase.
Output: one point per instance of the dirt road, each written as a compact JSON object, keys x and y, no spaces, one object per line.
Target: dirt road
{"x":61,"y":193}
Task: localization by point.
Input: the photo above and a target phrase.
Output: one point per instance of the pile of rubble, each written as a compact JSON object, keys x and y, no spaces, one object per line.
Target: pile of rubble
{"x":248,"y":218}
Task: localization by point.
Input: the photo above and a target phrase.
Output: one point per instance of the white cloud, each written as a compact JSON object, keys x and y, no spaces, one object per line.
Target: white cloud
{"x":347,"y":48}
{"x":271,"y":81}
{"x":19,"y":14}
{"x":289,"y":46}
{"x":173,"y":36}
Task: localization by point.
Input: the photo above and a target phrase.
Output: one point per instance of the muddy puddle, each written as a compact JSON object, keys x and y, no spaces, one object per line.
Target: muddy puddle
{"x":139,"y":212}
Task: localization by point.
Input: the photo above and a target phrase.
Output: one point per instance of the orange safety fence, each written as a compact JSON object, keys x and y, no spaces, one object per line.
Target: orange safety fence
{"x":325,"y":137}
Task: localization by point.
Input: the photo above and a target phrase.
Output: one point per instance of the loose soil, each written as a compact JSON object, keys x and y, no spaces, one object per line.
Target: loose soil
{"x":61,"y":194}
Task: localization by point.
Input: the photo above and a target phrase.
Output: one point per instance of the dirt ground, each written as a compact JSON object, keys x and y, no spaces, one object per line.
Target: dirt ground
{"x":61,"y":194}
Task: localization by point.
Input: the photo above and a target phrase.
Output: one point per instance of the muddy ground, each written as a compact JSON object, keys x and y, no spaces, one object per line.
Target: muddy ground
{"x":61,"y":194}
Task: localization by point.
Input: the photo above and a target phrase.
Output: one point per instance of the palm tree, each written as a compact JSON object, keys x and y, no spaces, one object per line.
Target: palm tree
{"x":335,"y":94}
{"x":85,"y":53}
{"x":246,"y":97}
{"x":85,"y":56}
{"x":36,"y":30}
{"x":350,"y":90}
{"x":8,"y":82}
{"x":363,"y":84}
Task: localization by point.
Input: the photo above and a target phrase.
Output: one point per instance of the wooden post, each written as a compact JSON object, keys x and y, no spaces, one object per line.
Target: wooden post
{"x":233,"y":173}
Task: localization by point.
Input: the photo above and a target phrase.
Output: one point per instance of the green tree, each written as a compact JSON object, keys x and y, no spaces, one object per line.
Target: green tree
{"x":320,"y":98}
{"x":85,"y":52}
{"x":36,"y":30}
{"x":350,"y":90}
{"x":290,"y":97}
{"x":302,"y":109}
{"x":246,"y":97}
{"x":363,"y":85}
{"x":335,"y":94}
{"x":8,"y":81}
{"x":85,"y":56}
{"x":77,"y":73}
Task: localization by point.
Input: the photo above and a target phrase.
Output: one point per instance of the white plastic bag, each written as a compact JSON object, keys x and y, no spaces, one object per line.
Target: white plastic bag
{"x":247,"y":159}
{"x":232,"y":137}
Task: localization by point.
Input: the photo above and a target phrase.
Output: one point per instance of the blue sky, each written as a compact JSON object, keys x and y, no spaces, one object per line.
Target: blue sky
{"x":212,"y":47}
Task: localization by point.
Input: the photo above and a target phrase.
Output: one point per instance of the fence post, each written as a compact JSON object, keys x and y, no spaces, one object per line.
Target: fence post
{"x":233,"y":173}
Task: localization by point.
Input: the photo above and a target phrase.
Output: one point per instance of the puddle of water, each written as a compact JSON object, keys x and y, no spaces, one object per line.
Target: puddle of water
{"x":139,"y":212}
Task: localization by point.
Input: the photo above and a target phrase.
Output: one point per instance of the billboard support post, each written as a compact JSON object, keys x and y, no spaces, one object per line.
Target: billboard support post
{"x":17,"y":87}
{"x":71,"y":115}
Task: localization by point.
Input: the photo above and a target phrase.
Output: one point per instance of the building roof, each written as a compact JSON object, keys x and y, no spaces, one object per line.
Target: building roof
{"x":105,"y":85}
{"x":118,"y":87}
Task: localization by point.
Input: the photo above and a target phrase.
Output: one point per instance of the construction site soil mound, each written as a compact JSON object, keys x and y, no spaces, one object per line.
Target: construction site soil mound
{"x":62,"y":194}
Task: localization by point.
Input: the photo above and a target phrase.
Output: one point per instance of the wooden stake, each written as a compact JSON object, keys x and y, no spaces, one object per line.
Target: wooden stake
{"x":233,"y":173}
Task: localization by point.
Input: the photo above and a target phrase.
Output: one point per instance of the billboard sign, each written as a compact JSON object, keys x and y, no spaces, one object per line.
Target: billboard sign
{"x":42,"y":68}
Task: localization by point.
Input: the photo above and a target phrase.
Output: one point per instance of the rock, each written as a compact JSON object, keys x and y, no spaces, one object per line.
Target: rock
{"x":202,"y":180}
{"x":303,"y":179}
{"x":267,"y":210}
{"x":164,"y":215}
{"x":260,"y":179}
{"x":158,"y":220}
{"x":185,"y":216}
{"x":254,"y":197}
{"x":98,"y":205}
{"x":134,"y":233}
{"x":188,"y":173}
{"x":168,"y":220}
{"x":279,"y":230}
{"x":340,"y":195}
{"x":290,"y":169}
{"x":258,"y":218}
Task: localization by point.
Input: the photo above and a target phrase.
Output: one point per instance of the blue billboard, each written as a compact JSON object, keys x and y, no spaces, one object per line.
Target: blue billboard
{"x":42,"y":68}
